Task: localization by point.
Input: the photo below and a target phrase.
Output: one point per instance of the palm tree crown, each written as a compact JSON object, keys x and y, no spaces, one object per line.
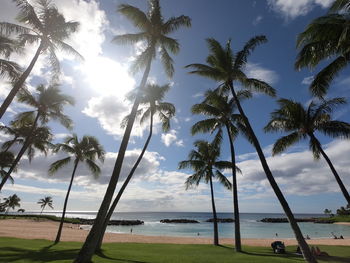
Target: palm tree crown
{"x":12,"y":202}
{"x":6,"y":160}
{"x":154,"y":31}
{"x":324,"y":38}
{"x":9,"y":68}
{"x":46,"y":201}
{"x":292,"y":117}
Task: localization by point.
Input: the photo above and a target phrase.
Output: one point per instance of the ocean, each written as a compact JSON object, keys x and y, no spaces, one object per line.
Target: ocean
{"x":250,"y":225}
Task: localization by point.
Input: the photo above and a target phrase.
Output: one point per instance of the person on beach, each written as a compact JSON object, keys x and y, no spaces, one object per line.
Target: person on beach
{"x":131,"y":231}
{"x":308,"y":237}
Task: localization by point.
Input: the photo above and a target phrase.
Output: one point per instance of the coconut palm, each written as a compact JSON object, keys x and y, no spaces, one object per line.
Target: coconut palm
{"x":48,"y":104}
{"x":86,"y":150}
{"x":151,"y":100}
{"x":43,"y":25}
{"x":154,"y":32}
{"x":301,"y":123}
{"x":40,"y":139}
{"x":220,"y":112}
{"x":204,"y":160}
{"x":227,"y":68}
{"x":6,"y":160}
{"x":8,"y":68}
{"x":12,"y":202}
{"x":46,"y":201}
{"x":324,"y":38}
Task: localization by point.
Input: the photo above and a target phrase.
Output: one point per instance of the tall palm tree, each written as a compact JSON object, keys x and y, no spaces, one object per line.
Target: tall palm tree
{"x":86,"y":150}
{"x":227,"y":68}
{"x":44,"y":25}
{"x":46,"y":201}
{"x":8,"y":68}
{"x":154,"y":32}
{"x":204,"y":161}
{"x":324,"y":38}
{"x":12,"y":202}
{"x":6,"y":160}
{"x":301,"y":123}
{"x":48,"y":104}
{"x":220,"y":112}
{"x":151,"y":100}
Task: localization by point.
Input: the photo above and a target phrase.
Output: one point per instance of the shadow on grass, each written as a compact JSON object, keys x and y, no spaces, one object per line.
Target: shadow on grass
{"x":44,"y":255}
{"x":102,"y":255}
{"x":334,"y":259}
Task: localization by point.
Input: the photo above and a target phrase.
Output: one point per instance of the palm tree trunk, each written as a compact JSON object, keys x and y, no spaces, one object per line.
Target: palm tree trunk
{"x":19,"y":83}
{"x":42,"y":210}
{"x":238,"y":245}
{"x":127,"y":180}
{"x":215,"y":219}
{"x":335,"y":173}
{"x":89,"y":246}
{"x":298,"y":235}
{"x":58,"y":237}
{"x":9,"y":146}
{"x":21,"y":152}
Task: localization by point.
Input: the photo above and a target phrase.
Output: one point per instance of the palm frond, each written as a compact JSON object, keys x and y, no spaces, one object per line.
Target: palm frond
{"x":174,"y":23}
{"x":167,"y":61}
{"x":223,"y":180}
{"x":136,"y":16}
{"x":129,"y":38}
{"x":93,"y":167}
{"x":68,"y":49}
{"x":335,"y":129}
{"x":204,"y":126}
{"x":284,"y":142}
{"x":54,"y":167}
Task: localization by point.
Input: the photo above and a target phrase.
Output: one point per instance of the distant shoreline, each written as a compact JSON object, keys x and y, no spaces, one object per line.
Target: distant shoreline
{"x":31,"y":229}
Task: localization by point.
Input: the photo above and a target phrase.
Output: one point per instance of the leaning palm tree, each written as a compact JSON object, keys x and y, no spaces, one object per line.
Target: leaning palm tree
{"x":301,"y":123}
{"x":48,"y":104}
{"x":12,"y":202}
{"x":154,"y":32}
{"x":46,"y":201}
{"x":204,"y":160}
{"x":6,"y":160}
{"x":220,"y":112}
{"x":40,"y":139}
{"x":8,"y":68}
{"x":43,"y":24}
{"x":86,"y":150}
{"x":227,"y":68}
{"x":151,"y":100}
{"x":326,"y":37}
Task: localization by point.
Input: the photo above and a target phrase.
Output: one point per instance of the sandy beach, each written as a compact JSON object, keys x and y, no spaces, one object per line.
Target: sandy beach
{"x":30,"y":229}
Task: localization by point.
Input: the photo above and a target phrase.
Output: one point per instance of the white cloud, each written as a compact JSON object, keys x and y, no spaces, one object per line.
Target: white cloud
{"x":257,"y":20}
{"x":170,"y":138}
{"x":198,"y":95}
{"x":307,"y":80}
{"x":291,"y":9}
{"x":254,"y":70}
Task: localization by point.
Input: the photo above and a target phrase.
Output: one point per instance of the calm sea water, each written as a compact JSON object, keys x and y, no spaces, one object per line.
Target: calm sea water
{"x":250,"y":226}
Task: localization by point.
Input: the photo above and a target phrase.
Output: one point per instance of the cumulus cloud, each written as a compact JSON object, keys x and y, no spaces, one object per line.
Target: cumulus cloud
{"x":255,"y":70}
{"x":307,"y":80}
{"x":290,"y":9}
{"x":257,"y":20}
{"x":171,"y":138}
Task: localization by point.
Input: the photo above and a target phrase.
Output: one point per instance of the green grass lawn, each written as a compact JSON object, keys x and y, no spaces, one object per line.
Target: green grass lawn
{"x":20,"y":250}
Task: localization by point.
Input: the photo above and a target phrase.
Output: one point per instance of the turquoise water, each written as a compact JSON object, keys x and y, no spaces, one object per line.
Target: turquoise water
{"x":250,"y":227}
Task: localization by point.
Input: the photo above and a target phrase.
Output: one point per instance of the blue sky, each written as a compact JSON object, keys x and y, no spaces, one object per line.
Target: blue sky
{"x":101,"y":81}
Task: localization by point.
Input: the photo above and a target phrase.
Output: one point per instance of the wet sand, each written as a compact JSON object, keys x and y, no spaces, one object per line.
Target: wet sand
{"x":32,"y":229}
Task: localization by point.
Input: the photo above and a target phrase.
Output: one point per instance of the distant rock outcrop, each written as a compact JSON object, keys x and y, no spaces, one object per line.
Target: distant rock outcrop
{"x":221,"y":220}
{"x":113,"y":222}
{"x":180,"y":221}
{"x":285,"y":220}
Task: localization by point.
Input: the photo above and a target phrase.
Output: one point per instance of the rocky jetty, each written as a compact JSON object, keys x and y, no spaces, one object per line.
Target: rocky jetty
{"x":180,"y":221}
{"x":285,"y":220}
{"x":112,"y":222}
{"x":221,"y":220}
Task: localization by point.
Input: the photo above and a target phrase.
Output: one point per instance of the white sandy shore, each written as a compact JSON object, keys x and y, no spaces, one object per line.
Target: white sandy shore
{"x":30,"y":229}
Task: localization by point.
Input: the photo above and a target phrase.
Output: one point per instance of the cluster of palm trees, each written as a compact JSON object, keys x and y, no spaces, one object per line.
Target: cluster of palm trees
{"x":13,"y":201}
{"x":325,"y":37}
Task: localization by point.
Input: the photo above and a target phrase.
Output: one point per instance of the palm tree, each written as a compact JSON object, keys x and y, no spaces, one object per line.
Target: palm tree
{"x":220,"y":112}
{"x":86,"y":150}
{"x":152,"y":97}
{"x":301,"y":123}
{"x":48,"y":104}
{"x":324,"y":38}
{"x":46,"y":201}
{"x":12,"y":202}
{"x":226,"y":67}
{"x":43,"y":25}
{"x":204,"y":161}
{"x":8,"y":68}
{"x":6,"y":160}
{"x":40,"y":139}
{"x":154,"y":31}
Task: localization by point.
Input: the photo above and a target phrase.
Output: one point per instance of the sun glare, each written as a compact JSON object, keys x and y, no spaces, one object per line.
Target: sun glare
{"x":107,"y":77}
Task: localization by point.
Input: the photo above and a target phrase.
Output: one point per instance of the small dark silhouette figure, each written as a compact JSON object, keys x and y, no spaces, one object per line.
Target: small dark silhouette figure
{"x":198,"y":234}
{"x":131,"y":231}
{"x":276,"y":234}
{"x":308,"y":237}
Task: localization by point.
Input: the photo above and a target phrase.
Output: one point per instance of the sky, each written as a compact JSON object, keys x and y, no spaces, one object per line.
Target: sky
{"x":100,"y":82}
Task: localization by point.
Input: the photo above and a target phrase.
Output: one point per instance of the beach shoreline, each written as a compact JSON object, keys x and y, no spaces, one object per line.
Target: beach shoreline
{"x":33,"y":229}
